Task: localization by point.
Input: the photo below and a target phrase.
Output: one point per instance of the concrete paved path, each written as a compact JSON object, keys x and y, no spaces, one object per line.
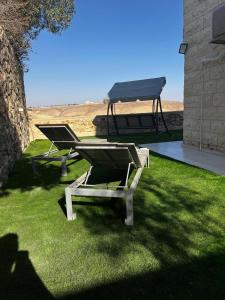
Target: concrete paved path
{"x":211,"y":161}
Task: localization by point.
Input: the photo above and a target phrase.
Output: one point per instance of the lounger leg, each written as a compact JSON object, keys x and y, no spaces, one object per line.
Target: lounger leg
{"x":34,"y":167}
{"x":69,"y":208}
{"x":129,"y":221}
{"x":63,"y":167}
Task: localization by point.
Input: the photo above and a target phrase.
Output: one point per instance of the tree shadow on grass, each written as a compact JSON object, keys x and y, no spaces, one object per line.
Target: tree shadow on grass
{"x":199,"y":279}
{"x":23,"y":178}
{"x":18,"y":277}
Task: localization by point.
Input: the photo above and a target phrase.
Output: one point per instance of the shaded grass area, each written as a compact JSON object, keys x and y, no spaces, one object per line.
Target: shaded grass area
{"x":144,"y":138}
{"x":174,"y":251}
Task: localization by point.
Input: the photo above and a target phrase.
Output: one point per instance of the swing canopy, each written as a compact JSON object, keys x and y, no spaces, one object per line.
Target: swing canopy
{"x":147,"y":89}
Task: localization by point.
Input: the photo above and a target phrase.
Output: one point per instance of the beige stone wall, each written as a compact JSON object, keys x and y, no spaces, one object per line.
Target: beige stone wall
{"x":90,"y":120}
{"x":14,"y":135}
{"x":204,"y":91}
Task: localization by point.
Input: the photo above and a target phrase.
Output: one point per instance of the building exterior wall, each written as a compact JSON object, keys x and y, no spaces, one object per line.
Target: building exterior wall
{"x":14,"y":131}
{"x":204,"y":87}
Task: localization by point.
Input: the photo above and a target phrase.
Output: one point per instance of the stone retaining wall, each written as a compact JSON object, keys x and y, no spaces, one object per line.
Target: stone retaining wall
{"x":14,"y":134}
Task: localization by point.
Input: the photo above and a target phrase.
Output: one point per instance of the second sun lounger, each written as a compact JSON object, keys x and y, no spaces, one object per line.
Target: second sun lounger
{"x":61,"y":136}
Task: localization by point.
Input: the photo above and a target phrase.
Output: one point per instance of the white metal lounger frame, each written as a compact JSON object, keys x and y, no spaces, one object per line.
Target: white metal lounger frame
{"x":47,"y":157}
{"x":80,"y":187}
{"x":62,"y":158}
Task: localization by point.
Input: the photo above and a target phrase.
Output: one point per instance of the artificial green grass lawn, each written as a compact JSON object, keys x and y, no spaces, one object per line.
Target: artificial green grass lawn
{"x":176,"y":249}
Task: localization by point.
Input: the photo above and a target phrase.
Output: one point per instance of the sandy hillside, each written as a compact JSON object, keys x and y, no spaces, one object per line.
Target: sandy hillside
{"x":93,"y":109}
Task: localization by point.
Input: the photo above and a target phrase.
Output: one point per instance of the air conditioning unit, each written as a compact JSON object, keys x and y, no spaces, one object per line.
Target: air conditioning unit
{"x":218,"y":25}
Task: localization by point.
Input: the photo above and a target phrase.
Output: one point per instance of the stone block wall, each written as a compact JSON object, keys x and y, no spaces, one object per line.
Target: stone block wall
{"x":204,"y":88}
{"x":14,"y":132}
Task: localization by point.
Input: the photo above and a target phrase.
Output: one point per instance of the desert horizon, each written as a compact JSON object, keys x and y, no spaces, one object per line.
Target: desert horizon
{"x":90,"y":108}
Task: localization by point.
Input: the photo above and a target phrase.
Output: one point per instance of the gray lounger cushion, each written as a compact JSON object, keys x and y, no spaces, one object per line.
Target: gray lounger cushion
{"x":107,"y":145}
{"x":60,"y":134}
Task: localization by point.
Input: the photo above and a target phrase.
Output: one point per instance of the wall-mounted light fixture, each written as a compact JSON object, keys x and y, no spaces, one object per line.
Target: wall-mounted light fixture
{"x":183,"y":48}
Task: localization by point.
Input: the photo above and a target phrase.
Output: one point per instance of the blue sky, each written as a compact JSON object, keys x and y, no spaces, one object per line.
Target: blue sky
{"x":108,"y":41}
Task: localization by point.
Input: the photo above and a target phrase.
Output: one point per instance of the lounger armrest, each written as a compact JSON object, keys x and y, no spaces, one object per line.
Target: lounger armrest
{"x":94,"y":141}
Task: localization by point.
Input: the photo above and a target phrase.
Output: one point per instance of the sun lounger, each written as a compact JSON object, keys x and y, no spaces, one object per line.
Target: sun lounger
{"x":113,"y":156}
{"x":61,"y":136}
